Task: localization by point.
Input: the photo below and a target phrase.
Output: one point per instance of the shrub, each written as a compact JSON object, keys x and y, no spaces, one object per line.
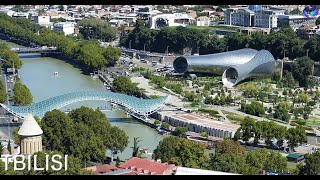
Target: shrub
{"x":204,"y":134}
{"x":165,"y":125}
{"x":156,"y":122}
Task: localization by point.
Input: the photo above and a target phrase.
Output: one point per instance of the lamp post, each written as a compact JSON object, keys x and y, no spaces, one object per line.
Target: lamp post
{"x":198,"y":50}
{"x":227,"y":48}
{"x":308,"y":52}
{"x":144,"y":47}
{"x":130,"y":44}
{"x":167,"y":50}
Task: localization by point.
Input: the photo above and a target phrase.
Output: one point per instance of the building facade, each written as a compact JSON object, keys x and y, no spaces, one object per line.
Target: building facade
{"x":66,"y":27}
{"x":177,"y":19}
{"x":267,"y":18}
{"x":295,"y":21}
{"x":203,"y":21}
{"x":239,"y":17}
{"x":307,"y":31}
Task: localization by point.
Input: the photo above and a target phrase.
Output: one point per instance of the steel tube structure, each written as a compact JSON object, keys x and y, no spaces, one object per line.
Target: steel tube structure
{"x":234,"y":66}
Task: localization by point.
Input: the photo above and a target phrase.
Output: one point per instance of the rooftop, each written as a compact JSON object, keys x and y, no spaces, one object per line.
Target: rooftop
{"x":192,"y":171}
{"x":144,"y":166}
{"x":30,"y":127}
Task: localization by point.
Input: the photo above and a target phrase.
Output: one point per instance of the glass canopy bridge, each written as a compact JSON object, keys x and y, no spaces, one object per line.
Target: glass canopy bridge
{"x":137,"y":107}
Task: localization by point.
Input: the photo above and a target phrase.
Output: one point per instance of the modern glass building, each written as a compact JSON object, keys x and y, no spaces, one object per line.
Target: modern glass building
{"x":234,"y":66}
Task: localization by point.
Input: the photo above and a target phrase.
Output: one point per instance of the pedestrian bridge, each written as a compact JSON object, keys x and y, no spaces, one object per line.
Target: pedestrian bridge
{"x":137,"y":107}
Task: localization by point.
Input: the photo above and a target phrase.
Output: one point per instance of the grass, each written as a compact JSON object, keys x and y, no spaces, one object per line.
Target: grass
{"x":291,"y":165}
{"x":313,"y":121}
{"x":233,"y":117}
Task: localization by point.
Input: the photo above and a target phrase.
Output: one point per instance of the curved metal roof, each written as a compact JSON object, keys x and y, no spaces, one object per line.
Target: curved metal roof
{"x":223,"y":60}
{"x":133,"y":104}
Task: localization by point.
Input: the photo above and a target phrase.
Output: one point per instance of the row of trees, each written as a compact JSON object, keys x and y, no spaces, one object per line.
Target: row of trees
{"x":180,"y":38}
{"x":3,"y":93}
{"x":21,"y":94}
{"x":89,"y":54}
{"x":269,"y":130}
{"x":229,"y":156}
{"x":123,"y":84}
{"x":96,"y":28}
{"x":10,"y":58}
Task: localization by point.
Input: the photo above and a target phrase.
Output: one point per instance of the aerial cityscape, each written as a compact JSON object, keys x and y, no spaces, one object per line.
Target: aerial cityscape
{"x":159,"y":90}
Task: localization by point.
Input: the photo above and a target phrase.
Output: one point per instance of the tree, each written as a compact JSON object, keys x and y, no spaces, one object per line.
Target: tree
{"x":261,"y":159}
{"x":181,"y":152}
{"x":181,"y":131}
{"x":136,"y":148}
{"x":165,"y":125}
{"x":118,"y":162}
{"x":247,"y":127}
{"x":228,"y":157}
{"x":3,"y":93}
{"x":16,"y":136}
{"x":123,"y":84}
{"x":84,"y":133}
{"x":111,"y":55}
{"x":97,"y":28}
{"x":204,"y":134}
{"x":295,"y":136}
{"x":227,"y":146}
{"x":318,"y":21}
{"x":21,"y":94}
{"x":156,"y":122}
{"x":119,"y":141}
{"x":295,"y":11}
{"x":302,"y":68}
{"x":9,"y":147}
{"x":312,"y":165}
{"x":61,"y":8}
{"x":282,"y":111}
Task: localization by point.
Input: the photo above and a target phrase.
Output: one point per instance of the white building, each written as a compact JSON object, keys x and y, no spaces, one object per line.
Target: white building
{"x":30,"y":136}
{"x":193,"y":171}
{"x":239,"y":17}
{"x":295,"y":21}
{"x":203,"y":21}
{"x":177,"y":19}
{"x":43,"y":21}
{"x":66,"y":27}
{"x":267,"y":18}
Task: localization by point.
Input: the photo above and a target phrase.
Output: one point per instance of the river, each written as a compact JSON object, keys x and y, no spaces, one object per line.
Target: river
{"x":37,"y":73}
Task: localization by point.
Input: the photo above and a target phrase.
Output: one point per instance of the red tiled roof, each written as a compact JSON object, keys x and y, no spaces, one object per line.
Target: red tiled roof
{"x":144,"y":166}
{"x":99,"y":169}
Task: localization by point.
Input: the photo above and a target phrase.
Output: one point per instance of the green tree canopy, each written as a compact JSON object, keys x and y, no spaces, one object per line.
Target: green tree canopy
{"x":84,"y":133}
{"x":302,"y":68}
{"x":123,"y":84}
{"x":97,"y":28}
{"x":21,"y":94}
{"x":3,"y":93}
{"x":181,"y":152}
{"x":312,"y":165}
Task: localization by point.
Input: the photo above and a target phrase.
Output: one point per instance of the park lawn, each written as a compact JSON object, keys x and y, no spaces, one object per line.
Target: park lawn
{"x":313,"y":121}
{"x":233,"y":117}
{"x":291,"y":165}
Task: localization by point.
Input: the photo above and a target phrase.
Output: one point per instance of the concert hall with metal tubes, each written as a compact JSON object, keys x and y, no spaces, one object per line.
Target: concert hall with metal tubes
{"x":234,"y":66}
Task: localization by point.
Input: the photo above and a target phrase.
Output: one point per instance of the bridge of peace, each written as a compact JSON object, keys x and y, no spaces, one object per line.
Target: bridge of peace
{"x":136,"y":107}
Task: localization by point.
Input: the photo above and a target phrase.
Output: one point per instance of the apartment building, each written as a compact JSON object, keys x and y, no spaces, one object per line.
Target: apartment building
{"x":267,"y":18}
